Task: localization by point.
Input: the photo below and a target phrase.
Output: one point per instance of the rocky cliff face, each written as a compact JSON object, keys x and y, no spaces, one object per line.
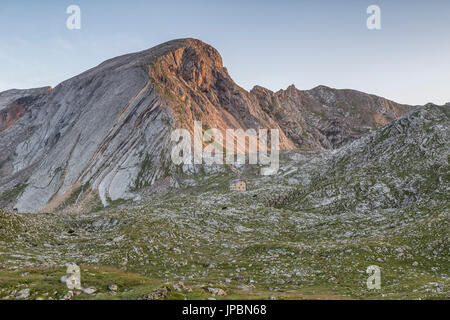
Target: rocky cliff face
{"x":106,"y":132}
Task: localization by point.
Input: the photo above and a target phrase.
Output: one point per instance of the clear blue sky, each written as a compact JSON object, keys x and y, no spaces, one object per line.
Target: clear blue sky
{"x":269,"y":43}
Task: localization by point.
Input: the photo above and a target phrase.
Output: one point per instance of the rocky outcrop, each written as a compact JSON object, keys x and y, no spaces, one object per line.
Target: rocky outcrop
{"x":401,"y":165}
{"x":14,"y":104}
{"x":106,"y":132}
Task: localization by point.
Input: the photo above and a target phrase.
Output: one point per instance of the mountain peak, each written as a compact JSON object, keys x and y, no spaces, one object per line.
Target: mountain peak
{"x":173,"y":46}
{"x":291,"y":87}
{"x":173,"y":52}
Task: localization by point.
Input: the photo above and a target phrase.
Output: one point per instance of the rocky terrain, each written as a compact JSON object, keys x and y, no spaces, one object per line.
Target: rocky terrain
{"x":362,"y":181}
{"x":104,"y":135}
{"x":309,"y":232}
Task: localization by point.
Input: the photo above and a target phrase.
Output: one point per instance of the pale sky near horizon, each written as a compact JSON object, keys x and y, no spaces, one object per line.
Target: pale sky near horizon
{"x":269,"y":43}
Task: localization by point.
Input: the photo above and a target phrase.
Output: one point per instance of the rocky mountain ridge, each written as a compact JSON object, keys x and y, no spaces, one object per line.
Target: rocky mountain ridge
{"x":105,"y":134}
